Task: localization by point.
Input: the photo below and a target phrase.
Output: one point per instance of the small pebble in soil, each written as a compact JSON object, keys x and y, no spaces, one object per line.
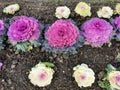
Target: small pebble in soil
{"x":50,"y":58}
{"x":12,"y":88}
{"x":101,"y":74}
{"x":42,"y":49}
{"x":2,"y":80}
{"x":63,"y":72}
{"x":54,"y":55}
{"x":60,"y":60}
{"x":12,"y":66}
{"x":65,"y":56}
{"x":12,"y":71}
{"x":2,"y":88}
{"x":9,"y":81}
{"x":27,"y":73}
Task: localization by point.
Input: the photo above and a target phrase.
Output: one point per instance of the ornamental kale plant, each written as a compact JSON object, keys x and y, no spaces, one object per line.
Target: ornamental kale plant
{"x":105,"y":12}
{"x":63,"y":36}
{"x":83,"y":9}
{"x":111,"y":80}
{"x":24,"y":33}
{"x":11,"y":9}
{"x":84,"y":76}
{"x":42,"y":74}
{"x":97,"y":31}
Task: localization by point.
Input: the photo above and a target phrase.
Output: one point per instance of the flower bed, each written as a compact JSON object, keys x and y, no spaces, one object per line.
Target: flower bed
{"x":20,"y":64}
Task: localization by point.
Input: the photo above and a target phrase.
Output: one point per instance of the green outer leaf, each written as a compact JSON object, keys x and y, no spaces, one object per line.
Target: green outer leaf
{"x":23,"y":46}
{"x":118,"y":69}
{"x":2,"y":38}
{"x":48,"y":64}
{"x":35,"y":43}
{"x":104,"y":84}
{"x":110,"y":68}
{"x":117,"y":39}
{"x":118,"y":57}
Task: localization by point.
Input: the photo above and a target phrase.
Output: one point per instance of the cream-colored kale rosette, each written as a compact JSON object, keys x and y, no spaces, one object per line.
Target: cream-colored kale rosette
{"x":117,"y":9}
{"x":42,"y":74}
{"x":83,"y":75}
{"x":62,"y":12}
{"x":114,"y":79}
{"x":11,"y":9}
{"x":83,"y":9}
{"x":105,"y":12}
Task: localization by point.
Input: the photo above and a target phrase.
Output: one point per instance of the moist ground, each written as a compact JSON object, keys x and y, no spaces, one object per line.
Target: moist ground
{"x":14,"y":74}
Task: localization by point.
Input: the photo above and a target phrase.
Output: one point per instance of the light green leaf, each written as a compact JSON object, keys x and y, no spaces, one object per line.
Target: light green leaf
{"x":48,"y":64}
{"x":22,"y":46}
{"x":104,"y":84}
{"x":118,"y":57}
{"x":35,"y":43}
{"x":110,"y":68}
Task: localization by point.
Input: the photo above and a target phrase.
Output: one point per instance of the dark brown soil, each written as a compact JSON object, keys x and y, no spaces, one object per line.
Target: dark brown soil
{"x":14,"y":74}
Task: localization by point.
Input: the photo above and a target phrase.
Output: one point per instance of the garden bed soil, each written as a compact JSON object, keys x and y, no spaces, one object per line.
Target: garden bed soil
{"x":14,"y":73}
